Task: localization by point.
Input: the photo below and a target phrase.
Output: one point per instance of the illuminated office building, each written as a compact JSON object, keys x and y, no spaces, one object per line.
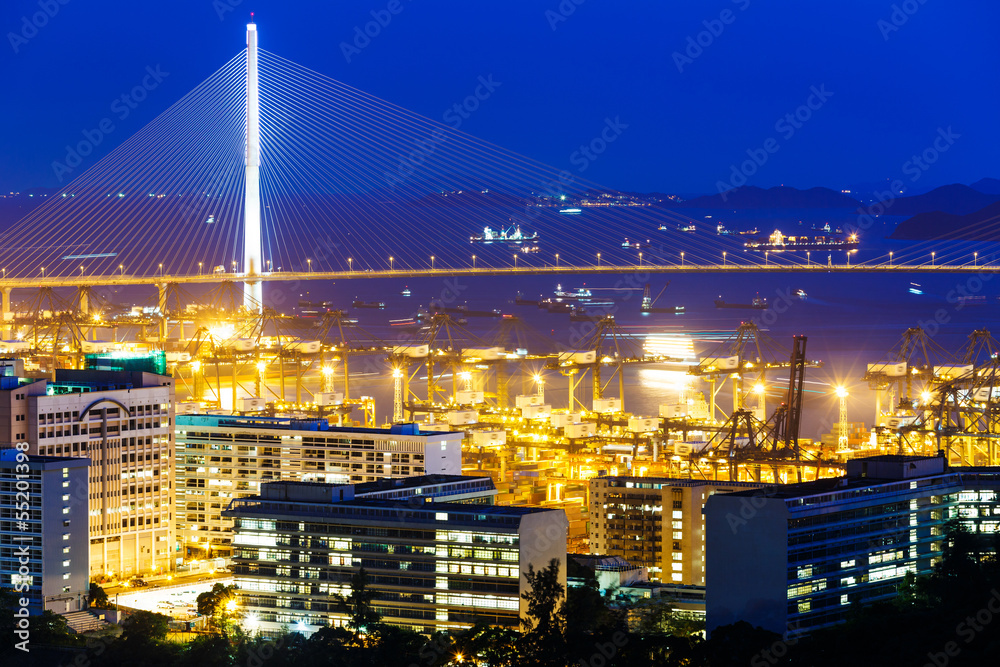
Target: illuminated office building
{"x":796,"y":557}
{"x":123,"y":422}
{"x":654,"y":522}
{"x":222,"y":457}
{"x":433,"y":565}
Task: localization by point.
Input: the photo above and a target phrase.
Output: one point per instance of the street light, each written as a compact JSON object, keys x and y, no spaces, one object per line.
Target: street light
{"x":515,"y":260}
{"x":350,"y":264}
{"x":932,"y":258}
{"x":890,"y":258}
{"x":199,"y":268}
{"x":473,"y":261}
{"x":81,"y":270}
{"x":557,"y":260}
{"x":682,"y":258}
{"x":765,"y":258}
{"x":432,"y":262}
{"x":723,"y":257}
{"x":808,"y":258}
{"x":234,"y":266}
{"x":309,"y":264}
{"x":121,"y":269}
{"x":640,"y":259}
{"x":975,"y":259}
{"x":390,"y":262}
{"x":43,"y":272}
{"x":598,"y":259}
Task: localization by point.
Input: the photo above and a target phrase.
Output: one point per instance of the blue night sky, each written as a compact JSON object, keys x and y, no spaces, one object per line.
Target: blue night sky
{"x":690,"y":116}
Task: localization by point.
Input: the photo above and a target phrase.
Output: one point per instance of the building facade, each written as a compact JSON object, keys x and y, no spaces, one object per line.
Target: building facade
{"x":654,"y":522}
{"x":220,"y":457}
{"x":123,"y":422}
{"x":43,"y":527}
{"x":795,"y":558}
{"x":433,"y":565}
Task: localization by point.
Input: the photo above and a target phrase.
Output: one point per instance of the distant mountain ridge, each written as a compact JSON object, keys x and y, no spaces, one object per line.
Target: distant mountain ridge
{"x":751,"y":197}
{"x":956,"y":199}
{"x":981,"y":225}
{"x":989,"y":186}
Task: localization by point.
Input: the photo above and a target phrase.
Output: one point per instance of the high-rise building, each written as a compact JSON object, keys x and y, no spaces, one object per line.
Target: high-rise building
{"x":220,"y":458}
{"x":432,"y":565}
{"x":44,"y":548}
{"x":654,"y":522}
{"x":795,"y":558}
{"x":123,"y":422}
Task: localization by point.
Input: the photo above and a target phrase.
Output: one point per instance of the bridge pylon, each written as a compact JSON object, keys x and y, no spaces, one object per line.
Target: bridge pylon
{"x":252,"y":263}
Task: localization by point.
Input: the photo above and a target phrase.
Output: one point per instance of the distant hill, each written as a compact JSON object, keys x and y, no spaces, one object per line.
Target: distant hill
{"x":956,"y":199}
{"x":989,"y":186}
{"x":982,"y":225}
{"x":750,"y":197}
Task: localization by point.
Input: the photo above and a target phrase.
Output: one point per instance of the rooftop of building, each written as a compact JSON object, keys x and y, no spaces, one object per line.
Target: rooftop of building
{"x":673,"y":481}
{"x":876,"y":471}
{"x":372,"y":510}
{"x":69,"y":380}
{"x":8,"y":458}
{"x":292,"y":424}
{"x":598,"y":562}
{"x":416,"y":482}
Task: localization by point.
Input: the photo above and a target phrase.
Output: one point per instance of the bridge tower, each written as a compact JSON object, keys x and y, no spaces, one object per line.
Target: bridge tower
{"x":252,"y":291}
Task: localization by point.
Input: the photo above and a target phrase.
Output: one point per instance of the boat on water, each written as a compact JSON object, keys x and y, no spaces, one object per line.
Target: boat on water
{"x":690,"y":229}
{"x":758,"y":303}
{"x":721,"y":230}
{"x":778,"y":241}
{"x":556,"y":305}
{"x":648,"y":302}
{"x":578,"y":293}
{"x":512,"y":236}
{"x":463,"y":309}
{"x":801,"y":293}
{"x":405,"y":292}
{"x":972,"y":300}
{"x":637,"y":245}
{"x":571,"y":211}
{"x":368,"y":304}
{"x":580,"y":314}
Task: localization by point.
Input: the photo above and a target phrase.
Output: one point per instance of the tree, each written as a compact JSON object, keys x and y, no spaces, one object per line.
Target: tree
{"x":98,"y":598}
{"x":145,"y":626}
{"x":544,"y":642}
{"x":658,"y":616}
{"x":218,"y":604}
{"x":359,"y":603}
{"x":51,"y":628}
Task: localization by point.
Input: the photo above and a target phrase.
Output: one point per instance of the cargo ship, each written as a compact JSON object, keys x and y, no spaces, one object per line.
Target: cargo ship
{"x":578,"y":293}
{"x":778,"y":241}
{"x":368,"y":304}
{"x":513,"y":236}
{"x":757,"y":303}
{"x":648,"y":303}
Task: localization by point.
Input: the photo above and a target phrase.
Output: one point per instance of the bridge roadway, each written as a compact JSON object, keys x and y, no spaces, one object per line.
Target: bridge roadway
{"x":116,"y":279}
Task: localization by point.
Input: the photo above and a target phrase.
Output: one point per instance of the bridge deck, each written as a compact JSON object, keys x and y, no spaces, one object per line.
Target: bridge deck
{"x":443,"y":272}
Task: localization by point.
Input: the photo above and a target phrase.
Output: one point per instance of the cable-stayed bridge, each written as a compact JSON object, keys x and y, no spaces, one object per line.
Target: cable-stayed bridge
{"x":269,"y":171}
